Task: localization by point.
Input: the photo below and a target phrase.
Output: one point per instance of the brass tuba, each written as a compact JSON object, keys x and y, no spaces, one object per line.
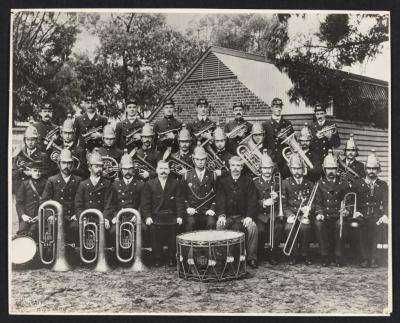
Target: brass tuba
{"x":128,"y":242}
{"x":177,"y":165}
{"x":92,"y":239}
{"x":294,"y":146}
{"x":251,"y":154}
{"x":52,"y":236}
{"x":345,"y":172}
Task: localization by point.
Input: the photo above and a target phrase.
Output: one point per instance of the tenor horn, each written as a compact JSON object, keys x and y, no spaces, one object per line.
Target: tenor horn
{"x":110,"y":167}
{"x":51,"y":236}
{"x":92,"y":239}
{"x":129,"y":238}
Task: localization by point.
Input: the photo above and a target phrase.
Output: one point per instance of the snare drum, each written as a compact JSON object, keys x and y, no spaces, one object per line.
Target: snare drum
{"x":211,"y":255}
{"x":23,"y":250}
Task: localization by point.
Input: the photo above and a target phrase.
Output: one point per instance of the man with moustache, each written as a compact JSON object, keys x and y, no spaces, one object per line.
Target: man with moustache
{"x":199,"y":187}
{"x":184,"y":152}
{"x":96,"y":192}
{"x":219,"y":147}
{"x":168,"y":125}
{"x":276,"y":130}
{"x":330,"y":193}
{"x":372,"y":210}
{"x":62,"y":188}
{"x":350,"y":161}
{"x":87,"y":122}
{"x":45,"y":125}
{"x":163,"y":209}
{"x":321,"y":143}
{"x":201,"y":121}
{"x":237,"y":206}
{"x":267,"y":195}
{"x":128,"y":126}
{"x":254,"y":143}
{"x":232,"y":143}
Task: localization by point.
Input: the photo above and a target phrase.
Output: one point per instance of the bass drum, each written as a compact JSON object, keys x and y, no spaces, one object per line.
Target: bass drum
{"x":24,"y":251}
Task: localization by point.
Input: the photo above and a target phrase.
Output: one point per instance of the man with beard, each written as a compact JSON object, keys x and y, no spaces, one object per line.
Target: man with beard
{"x":87,"y":122}
{"x":44,"y":126}
{"x":276,"y":130}
{"x":220,"y":150}
{"x":62,"y":188}
{"x":201,"y":121}
{"x":109,"y":149}
{"x":350,"y":161}
{"x":294,"y":190}
{"x":313,"y":174}
{"x":184,"y":153}
{"x":237,"y":137}
{"x":148,"y":152}
{"x":372,"y":210}
{"x":167,"y":128}
{"x":199,"y":187}
{"x":237,"y":206}
{"x":96,"y":192}
{"x":267,"y":195}
{"x":330,"y":193}
{"x":322,"y":142}
{"x":28,"y":200}
{"x":128,"y":126}
{"x":163,"y":208}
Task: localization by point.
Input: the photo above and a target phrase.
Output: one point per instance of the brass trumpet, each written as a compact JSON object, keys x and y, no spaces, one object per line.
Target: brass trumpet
{"x":276,"y":181}
{"x":92,"y":239}
{"x":344,"y":205}
{"x":128,"y":242}
{"x":177,"y":165}
{"x":161,"y":135}
{"x":292,"y":236}
{"x":86,"y":136}
{"x":325,"y":130}
{"x":209,"y":127}
{"x":51,"y":236}
{"x":251,"y":154}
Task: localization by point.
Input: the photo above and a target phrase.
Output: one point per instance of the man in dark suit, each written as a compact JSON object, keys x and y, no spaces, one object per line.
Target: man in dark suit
{"x":128,"y":126}
{"x":89,"y":121}
{"x":163,"y":208}
{"x":237,"y":206}
{"x":45,"y":125}
{"x":184,"y":153}
{"x":201,"y":122}
{"x":220,"y":149}
{"x":199,"y":187}
{"x":350,"y":162}
{"x":62,"y":188}
{"x":28,"y":200}
{"x":313,"y":174}
{"x":323,"y":141}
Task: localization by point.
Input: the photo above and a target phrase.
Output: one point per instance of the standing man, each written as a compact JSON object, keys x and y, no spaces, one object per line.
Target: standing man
{"x":128,"y":126}
{"x":235,"y":138}
{"x":323,"y":140}
{"x":220,"y":150}
{"x":313,"y":174}
{"x":62,"y":188}
{"x":96,"y":193}
{"x":254,"y":144}
{"x":268,"y":195}
{"x":201,"y":122}
{"x":276,"y":129}
{"x":167,"y":128}
{"x":45,"y":125}
{"x":148,"y":151}
{"x":237,"y":206}
{"x":294,"y":189}
{"x":330,"y":193}
{"x":350,"y":163}
{"x":184,"y":152}
{"x":372,"y":210}
{"x":87,"y":122}
{"x":163,"y":208}
{"x":199,"y":187}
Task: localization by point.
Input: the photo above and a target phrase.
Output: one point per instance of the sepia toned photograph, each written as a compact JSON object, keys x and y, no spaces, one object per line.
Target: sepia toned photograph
{"x":199,"y":162}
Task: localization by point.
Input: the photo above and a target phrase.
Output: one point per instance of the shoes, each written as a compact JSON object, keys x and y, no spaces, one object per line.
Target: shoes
{"x":307,"y":261}
{"x":325,"y":261}
{"x":373,"y":263}
{"x":157,"y":263}
{"x":253,"y":264}
{"x":293,"y":261}
{"x":364,"y":263}
{"x":172,"y":263}
{"x":339,"y":262}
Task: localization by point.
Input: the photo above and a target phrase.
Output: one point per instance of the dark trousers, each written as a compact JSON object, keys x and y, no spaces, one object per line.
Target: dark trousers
{"x":71,"y":232}
{"x":31,"y":229}
{"x":303,"y":238}
{"x":263,"y":235}
{"x":366,"y":237}
{"x":160,"y":235}
{"x":328,"y":236}
{"x":199,"y":222}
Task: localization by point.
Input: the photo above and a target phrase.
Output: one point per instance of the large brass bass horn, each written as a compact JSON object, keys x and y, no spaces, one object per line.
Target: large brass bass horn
{"x":92,"y":239}
{"x":294,"y":146}
{"x":128,"y":242}
{"x":251,"y":154}
{"x":52,"y":236}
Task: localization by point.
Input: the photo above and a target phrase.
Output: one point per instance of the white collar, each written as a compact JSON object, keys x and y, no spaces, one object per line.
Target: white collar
{"x":265,"y":179}
{"x":276,"y":118}
{"x":94,"y":179}
{"x":68,"y":144}
{"x":132,"y":120}
{"x":65,"y":178}
{"x":298,"y":181}
{"x":321,"y":123}
{"x":199,"y":117}
{"x":200,"y":173}
{"x":349,"y":162}
{"x":90,"y":115}
{"x":235,"y":178}
{"x":128,"y":181}
{"x":30,"y":151}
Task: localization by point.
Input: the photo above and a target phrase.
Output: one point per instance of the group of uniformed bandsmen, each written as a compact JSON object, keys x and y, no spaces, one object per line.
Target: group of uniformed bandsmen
{"x":173,"y":200}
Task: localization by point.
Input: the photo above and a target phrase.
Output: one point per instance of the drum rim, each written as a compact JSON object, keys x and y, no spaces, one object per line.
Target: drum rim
{"x":34,"y":254}
{"x":185,"y":242}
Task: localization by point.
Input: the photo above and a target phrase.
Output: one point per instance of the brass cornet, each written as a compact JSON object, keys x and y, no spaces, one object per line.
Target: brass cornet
{"x":325,"y":130}
{"x":209,"y":127}
{"x":86,"y":136}
{"x":235,"y":131}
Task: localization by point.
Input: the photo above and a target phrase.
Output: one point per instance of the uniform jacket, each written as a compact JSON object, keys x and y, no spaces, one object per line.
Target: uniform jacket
{"x":152,"y":156}
{"x":128,"y":196}
{"x":162,"y":205}
{"x":271,"y":142}
{"x":329,"y":196}
{"x":112,"y":151}
{"x":196,"y":192}
{"x":28,"y":198}
{"x":263,"y":188}
{"x":79,"y":153}
{"x":196,"y":125}
{"x":101,"y":197}
{"x":187,"y":158}
{"x":56,"y":189}
{"x":225,"y":156}
{"x":371,"y":202}
{"x":322,"y":146}
{"x":357,"y":166}
{"x":292,"y":193}
{"x":83,"y":124}
{"x":125,"y":128}
{"x":232,"y":143}
{"x":163,"y":125}
{"x":236,"y":199}
{"x":316,"y":172}
{"x":43,"y":128}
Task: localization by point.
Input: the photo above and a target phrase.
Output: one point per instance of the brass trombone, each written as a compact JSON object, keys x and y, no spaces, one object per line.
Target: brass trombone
{"x":292,"y":236}
{"x":51,"y":236}
{"x":128,"y":242}
{"x":92,"y":239}
{"x":349,"y":201}
{"x":276,"y":181}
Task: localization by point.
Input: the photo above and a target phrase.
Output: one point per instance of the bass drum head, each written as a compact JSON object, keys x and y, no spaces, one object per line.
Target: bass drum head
{"x":23,"y":250}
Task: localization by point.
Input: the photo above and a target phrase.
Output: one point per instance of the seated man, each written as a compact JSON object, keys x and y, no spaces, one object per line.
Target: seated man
{"x":237,"y":206}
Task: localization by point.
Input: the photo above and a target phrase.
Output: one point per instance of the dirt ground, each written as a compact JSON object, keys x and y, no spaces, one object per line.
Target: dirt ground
{"x":268,"y":289}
